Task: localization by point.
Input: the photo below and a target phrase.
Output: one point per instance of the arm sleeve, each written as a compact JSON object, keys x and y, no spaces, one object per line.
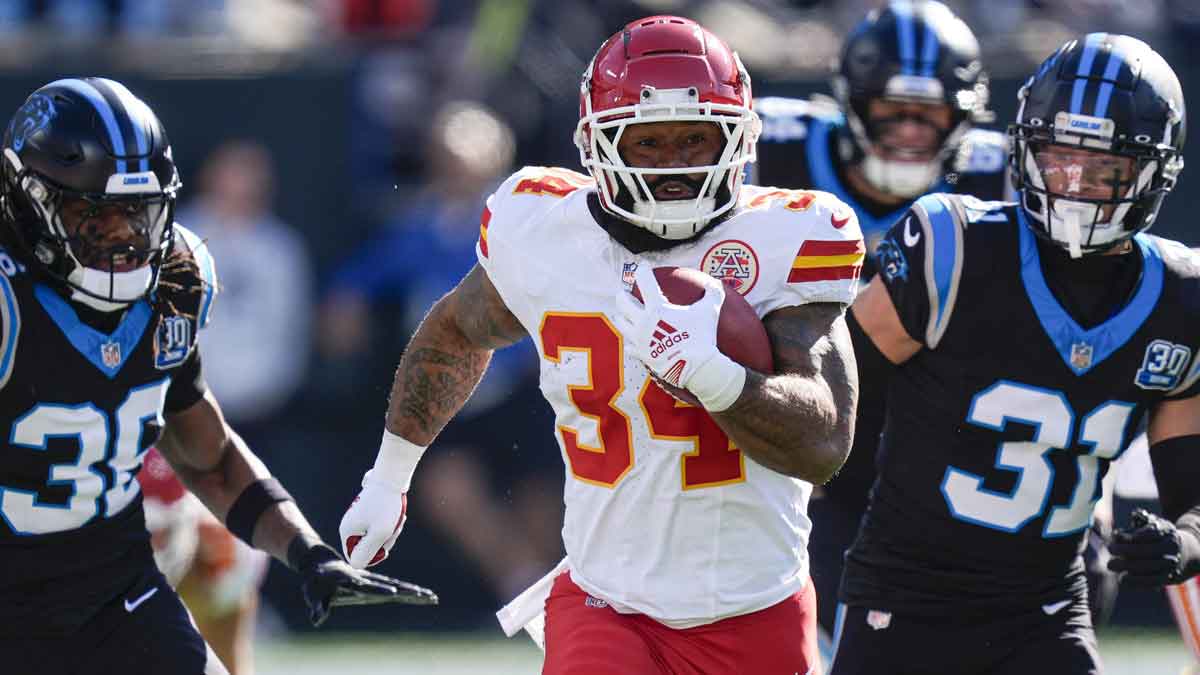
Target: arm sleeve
{"x":1177,"y":472}
{"x":187,"y":384}
{"x":920,"y":262}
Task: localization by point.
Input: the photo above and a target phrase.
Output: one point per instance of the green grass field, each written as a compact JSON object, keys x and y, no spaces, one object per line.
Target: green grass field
{"x":1125,"y":652}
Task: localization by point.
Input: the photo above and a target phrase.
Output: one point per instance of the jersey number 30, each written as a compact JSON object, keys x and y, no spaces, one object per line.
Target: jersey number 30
{"x":117,"y":438}
{"x":1102,"y":430}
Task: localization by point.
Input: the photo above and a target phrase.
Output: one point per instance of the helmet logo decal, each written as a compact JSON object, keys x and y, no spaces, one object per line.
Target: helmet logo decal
{"x":32,"y":117}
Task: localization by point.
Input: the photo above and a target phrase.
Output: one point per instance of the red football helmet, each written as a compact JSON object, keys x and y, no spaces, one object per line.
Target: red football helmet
{"x":665,"y":69}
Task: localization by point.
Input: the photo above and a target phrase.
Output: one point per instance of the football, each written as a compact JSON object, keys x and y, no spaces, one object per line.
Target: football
{"x":740,"y":333}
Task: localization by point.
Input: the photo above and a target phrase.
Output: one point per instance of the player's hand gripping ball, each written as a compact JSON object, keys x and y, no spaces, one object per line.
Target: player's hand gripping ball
{"x":685,"y":319}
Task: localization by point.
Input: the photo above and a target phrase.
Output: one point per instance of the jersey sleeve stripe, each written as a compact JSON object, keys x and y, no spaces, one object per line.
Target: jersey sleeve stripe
{"x":828,"y":261}
{"x":831,"y":248}
{"x":824,"y":273}
{"x":208,"y":272}
{"x":10,"y":321}
{"x":809,"y":262}
{"x":483,"y":227}
{"x":943,"y":263}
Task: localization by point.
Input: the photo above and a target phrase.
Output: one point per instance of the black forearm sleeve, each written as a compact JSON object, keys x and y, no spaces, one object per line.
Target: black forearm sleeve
{"x":1177,"y":472}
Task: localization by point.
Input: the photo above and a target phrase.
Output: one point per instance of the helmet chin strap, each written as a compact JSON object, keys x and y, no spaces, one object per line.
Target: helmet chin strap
{"x":902,"y":179}
{"x":676,"y":210}
{"x":1067,"y":219}
{"x":124,"y":287}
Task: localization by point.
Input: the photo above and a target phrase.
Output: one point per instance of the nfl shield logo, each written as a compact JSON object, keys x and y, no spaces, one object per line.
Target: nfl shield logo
{"x":110,"y":354}
{"x":627,"y":271}
{"x":1081,"y":355}
{"x":879,"y":619}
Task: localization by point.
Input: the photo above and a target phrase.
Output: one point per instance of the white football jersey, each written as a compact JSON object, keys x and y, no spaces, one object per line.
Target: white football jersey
{"x":664,"y":516}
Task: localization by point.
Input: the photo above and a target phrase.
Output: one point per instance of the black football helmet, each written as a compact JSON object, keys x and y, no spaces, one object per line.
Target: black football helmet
{"x":912,"y":51}
{"x":1107,"y":93}
{"x":93,"y":146}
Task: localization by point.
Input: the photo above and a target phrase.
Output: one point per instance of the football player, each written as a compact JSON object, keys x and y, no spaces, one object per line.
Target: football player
{"x":217,"y":575}
{"x":1031,"y":338}
{"x":685,"y":526}
{"x":101,"y":296}
{"x":910,"y":88}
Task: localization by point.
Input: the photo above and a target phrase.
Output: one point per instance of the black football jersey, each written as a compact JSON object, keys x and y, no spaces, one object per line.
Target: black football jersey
{"x":798,"y":148}
{"x":1000,"y":429}
{"x":78,"y":409}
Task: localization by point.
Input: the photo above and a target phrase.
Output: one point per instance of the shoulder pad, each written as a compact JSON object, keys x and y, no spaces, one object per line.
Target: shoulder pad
{"x":533,"y":188}
{"x":942,"y":219}
{"x":10,"y":315}
{"x":523,"y":197}
{"x":180,"y":282}
{"x":787,"y":119}
{"x":1177,"y":257}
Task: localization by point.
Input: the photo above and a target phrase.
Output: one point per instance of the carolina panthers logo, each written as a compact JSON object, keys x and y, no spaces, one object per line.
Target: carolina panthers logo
{"x":30,"y":119}
{"x":890,"y":258}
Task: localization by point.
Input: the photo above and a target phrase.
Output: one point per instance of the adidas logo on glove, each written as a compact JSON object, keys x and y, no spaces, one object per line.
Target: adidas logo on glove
{"x":662,"y":341}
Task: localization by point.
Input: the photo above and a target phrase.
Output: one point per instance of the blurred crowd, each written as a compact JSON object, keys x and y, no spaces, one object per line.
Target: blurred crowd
{"x":439,"y":102}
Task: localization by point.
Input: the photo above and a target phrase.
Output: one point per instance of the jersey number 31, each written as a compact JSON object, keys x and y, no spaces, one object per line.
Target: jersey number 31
{"x":1102,"y":430}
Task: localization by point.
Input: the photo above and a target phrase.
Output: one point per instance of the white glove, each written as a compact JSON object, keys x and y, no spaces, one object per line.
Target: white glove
{"x":374,"y":520}
{"x":678,"y":343}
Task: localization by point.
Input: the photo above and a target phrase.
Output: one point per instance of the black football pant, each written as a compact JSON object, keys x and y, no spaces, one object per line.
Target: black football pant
{"x":1053,"y":639}
{"x":143,"y":631}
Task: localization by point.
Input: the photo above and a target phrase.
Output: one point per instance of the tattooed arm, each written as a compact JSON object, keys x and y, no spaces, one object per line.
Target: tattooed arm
{"x":800,"y":421}
{"x":447,"y":356}
{"x":444,"y":361}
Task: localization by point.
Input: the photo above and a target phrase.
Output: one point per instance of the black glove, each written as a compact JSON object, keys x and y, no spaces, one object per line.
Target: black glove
{"x":327,"y":581}
{"x":1152,"y":551}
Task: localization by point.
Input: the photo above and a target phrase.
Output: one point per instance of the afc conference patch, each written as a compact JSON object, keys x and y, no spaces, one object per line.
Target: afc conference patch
{"x":172,"y":342}
{"x":733,"y":262}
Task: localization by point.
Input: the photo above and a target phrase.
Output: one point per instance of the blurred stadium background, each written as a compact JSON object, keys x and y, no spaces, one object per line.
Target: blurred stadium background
{"x":336,"y":153}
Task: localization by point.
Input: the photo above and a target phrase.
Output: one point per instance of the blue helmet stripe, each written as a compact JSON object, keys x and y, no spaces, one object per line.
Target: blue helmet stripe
{"x":907,"y":36}
{"x":136,"y":115}
{"x":1084,"y":70}
{"x":929,"y":51}
{"x":1110,"y":76}
{"x":106,"y":113}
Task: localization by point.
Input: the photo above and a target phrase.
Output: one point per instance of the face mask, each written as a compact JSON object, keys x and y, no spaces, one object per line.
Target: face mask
{"x":903,"y":179}
{"x":122,"y":288}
